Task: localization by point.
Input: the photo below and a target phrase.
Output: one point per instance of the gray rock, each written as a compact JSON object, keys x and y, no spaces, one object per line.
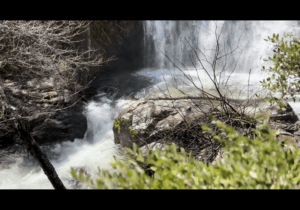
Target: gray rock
{"x":286,"y":126}
{"x":291,"y":128}
{"x":283,"y":132}
{"x":65,"y":126}
{"x":148,"y":119}
{"x":297,"y":124}
{"x":297,"y":133}
{"x":143,"y":121}
{"x":285,"y":117}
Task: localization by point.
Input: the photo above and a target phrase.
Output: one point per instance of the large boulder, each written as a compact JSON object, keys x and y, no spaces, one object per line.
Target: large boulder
{"x":64,"y":126}
{"x":143,"y":121}
{"x":37,"y":100}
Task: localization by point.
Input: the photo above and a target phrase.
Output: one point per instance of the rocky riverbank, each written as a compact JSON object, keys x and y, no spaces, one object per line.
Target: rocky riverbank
{"x":46,"y":110}
{"x":147,"y":121}
{"x":40,"y":101}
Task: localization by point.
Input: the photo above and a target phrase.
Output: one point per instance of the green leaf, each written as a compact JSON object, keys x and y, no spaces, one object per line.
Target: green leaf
{"x":260,"y":117}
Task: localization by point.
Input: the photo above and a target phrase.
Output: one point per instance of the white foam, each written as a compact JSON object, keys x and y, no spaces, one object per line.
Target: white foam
{"x":79,"y":153}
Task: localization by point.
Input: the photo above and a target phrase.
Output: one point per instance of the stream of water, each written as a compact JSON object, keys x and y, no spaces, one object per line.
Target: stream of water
{"x":79,"y":153}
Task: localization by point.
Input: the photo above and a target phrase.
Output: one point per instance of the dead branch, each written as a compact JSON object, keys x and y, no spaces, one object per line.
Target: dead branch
{"x":33,"y":148}
{"x":42,"y":50}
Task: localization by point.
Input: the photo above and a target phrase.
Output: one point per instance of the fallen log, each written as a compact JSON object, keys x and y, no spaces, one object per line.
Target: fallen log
{"x":184,"y":97}
{"x":205,"y":98}
{"x":33,"y":148}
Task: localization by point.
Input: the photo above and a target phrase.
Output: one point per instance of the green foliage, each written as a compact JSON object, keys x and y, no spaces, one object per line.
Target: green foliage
{"x":133,"y":133}
{"x":118,"y":123}
{"x":261,"y":163}
{"x":285,"y":66}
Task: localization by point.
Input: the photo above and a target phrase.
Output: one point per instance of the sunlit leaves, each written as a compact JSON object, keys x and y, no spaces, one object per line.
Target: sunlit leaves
{"x":261,"y":163}
{"x":285,"y":62}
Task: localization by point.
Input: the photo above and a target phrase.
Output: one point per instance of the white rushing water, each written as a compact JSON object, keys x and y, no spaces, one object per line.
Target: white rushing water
{"x":167,"y":81}
{"x":169,"y":37}
{"x":75,"y":154}
{"x":168,"y":43}
{"x":174,"y":38}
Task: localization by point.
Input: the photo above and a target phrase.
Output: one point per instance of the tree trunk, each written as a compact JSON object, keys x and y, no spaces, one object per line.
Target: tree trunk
{"x":34,"y":149}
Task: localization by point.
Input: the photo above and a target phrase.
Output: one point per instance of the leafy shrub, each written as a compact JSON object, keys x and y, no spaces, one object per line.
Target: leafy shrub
{"x":285,"y":69}
{"x":118,"y":123}
{"x":261,"y":163}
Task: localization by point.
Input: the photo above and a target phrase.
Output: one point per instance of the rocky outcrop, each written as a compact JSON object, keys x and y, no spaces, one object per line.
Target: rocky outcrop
{"x":119,"y":38}
{"x":37,"y":99}
{"x":106,"y":33}
{"x":144,"y":120}
{"x":64,"y":126}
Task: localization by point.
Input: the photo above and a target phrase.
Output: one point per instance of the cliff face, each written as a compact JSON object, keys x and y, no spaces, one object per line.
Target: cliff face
{"x":123,"y":39}
{"x":106,"y":34}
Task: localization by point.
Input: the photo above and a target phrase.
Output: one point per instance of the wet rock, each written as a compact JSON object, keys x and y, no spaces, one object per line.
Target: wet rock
{"x":49,"y":127}
{"x":7,"y":137}
{"x":297,"y":133}
{"x":137,"y":117}
{"x":174,"y":120}
{"x":285,"y":126}
{"x":36,"y":99}
{"x":291,"y":128}
{"x":49,"y":95}
{"x":283,"y":132}
{"x":36,"y":84}
{"x":143,"y":120}
{"x":65,"y":126}
{"x":38,"y":119}
{"x":298,"y":124}
{"x":285,"y":117}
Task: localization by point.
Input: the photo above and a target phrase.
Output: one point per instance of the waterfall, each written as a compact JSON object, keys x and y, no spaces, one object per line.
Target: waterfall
{"x":175,"y":37}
